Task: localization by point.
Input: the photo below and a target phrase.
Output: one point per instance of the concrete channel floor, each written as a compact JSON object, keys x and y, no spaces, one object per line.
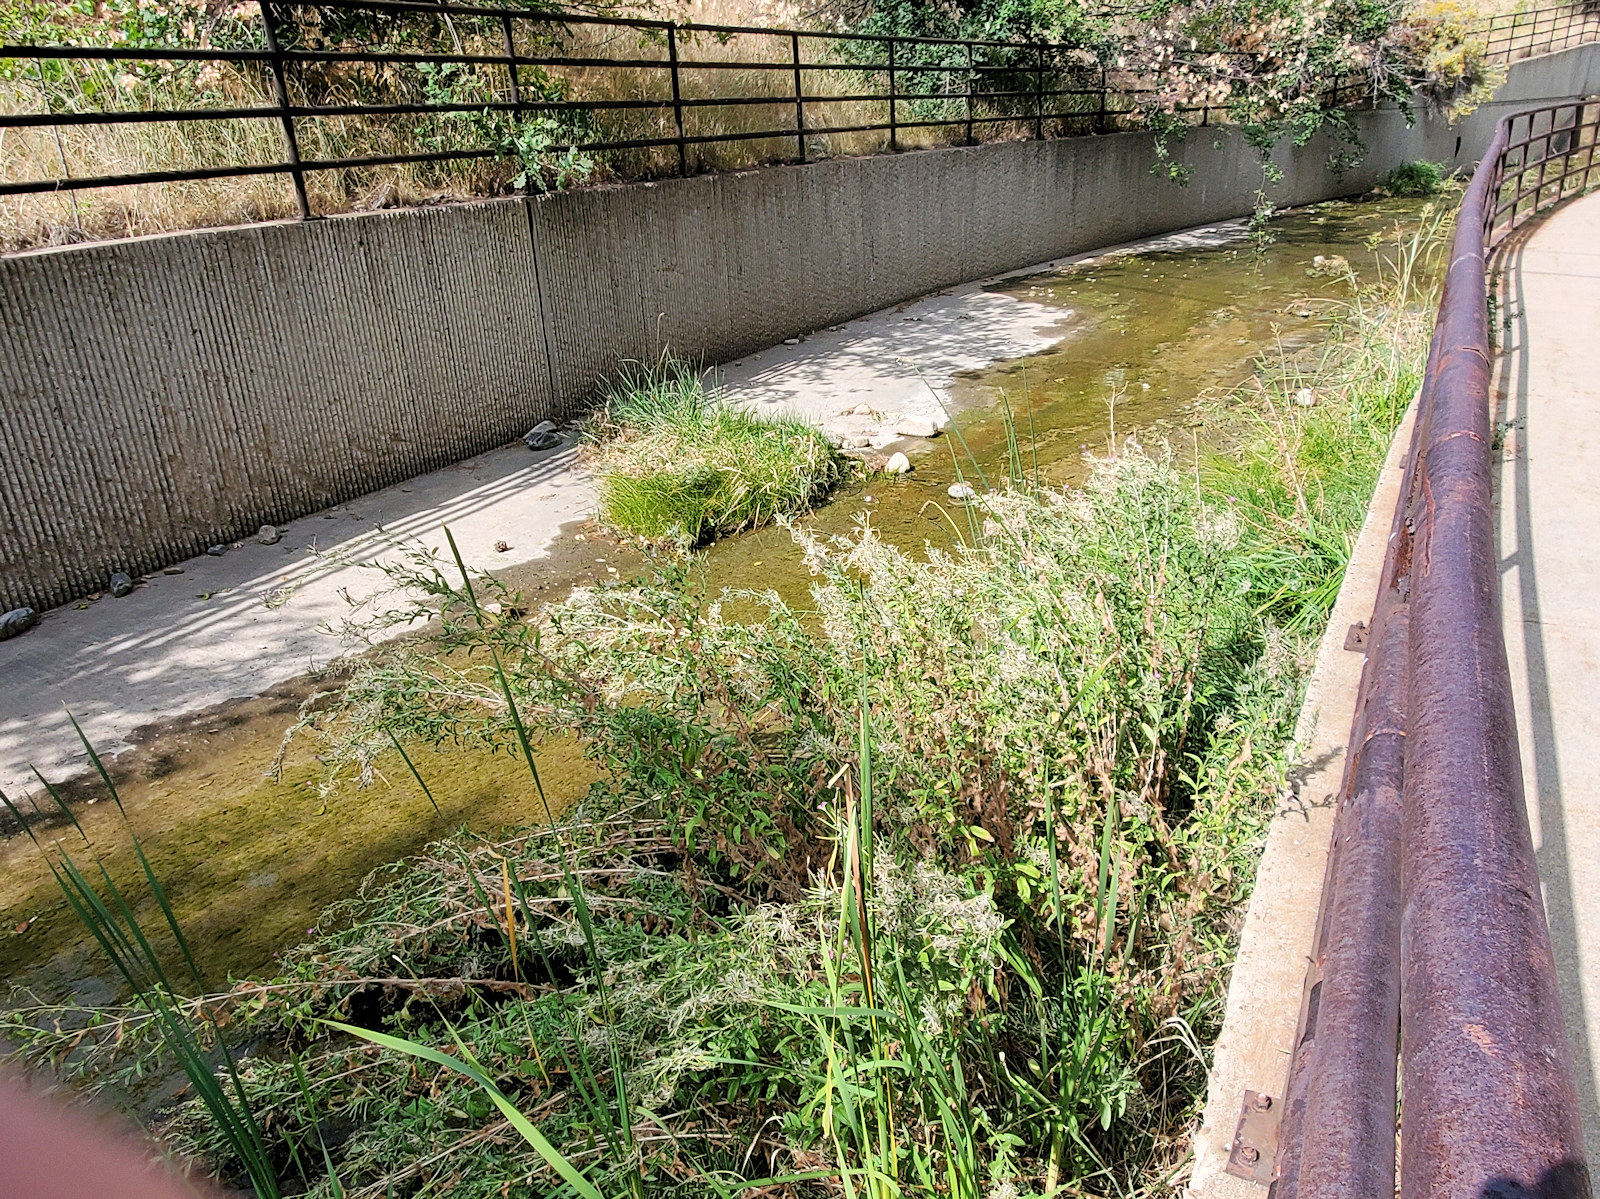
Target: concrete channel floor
{"x":234,"y":626}
{"x":1548,"y":493}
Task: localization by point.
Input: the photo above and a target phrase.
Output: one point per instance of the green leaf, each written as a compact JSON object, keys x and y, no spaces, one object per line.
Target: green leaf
{"x":472,"y":1070}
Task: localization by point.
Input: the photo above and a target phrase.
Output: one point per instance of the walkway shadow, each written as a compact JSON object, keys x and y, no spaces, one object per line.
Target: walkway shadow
{"x":1562,"y":905}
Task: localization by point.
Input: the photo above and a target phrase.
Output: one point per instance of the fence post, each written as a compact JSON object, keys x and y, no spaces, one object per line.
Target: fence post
{"x":799,"y":98}
{"x":1038,"y":91}
{"x":291,"y":143}
{"x":894,"y":120}
{"x":969,"y":93}
{"x":677,"y":100}
{"x":511,"y":64}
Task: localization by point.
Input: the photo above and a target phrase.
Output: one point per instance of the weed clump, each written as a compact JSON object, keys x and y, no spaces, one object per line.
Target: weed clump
{"x":1414,"y":179}
{"x":677,"y":466}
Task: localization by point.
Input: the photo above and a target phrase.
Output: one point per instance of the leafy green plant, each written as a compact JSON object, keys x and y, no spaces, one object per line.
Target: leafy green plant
{"x":1415,"y":179}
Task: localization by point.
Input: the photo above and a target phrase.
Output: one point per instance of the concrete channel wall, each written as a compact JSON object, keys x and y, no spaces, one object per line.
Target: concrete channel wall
{"x":161,"y":394}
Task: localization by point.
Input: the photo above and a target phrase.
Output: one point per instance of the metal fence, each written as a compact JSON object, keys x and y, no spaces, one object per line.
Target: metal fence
{"x":1512,"y":36}
{"x":1431,"y":937}
{"x":344,"y":90}
{"x":1549,"y":157}
{"x":524,"y":84}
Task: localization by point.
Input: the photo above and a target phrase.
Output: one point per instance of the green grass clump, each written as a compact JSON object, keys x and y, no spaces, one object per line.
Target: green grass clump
{"x":1415,"y":179}
{"x":678,"y":466}
{"x":1307,"y":446}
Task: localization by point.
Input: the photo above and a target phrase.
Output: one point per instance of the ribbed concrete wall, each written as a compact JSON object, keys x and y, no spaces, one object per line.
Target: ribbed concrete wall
{"x":162,"y":394}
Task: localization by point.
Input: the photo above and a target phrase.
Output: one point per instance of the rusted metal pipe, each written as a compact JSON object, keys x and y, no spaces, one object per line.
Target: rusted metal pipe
{"x":1490,"y":1108}
{"x":1432,"y":813}
{"x":1341,"y":1084}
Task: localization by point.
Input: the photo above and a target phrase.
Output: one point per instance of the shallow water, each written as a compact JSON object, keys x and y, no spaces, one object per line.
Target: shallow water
{"x":251,"y":862}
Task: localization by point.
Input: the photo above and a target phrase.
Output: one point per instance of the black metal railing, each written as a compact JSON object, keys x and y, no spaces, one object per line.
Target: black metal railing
{"x":1512,"y":36}
{"x":1549,"y":157}
{"x":346,"y":88}
{"x":1431,"y":939}
{"x":507,"y":85}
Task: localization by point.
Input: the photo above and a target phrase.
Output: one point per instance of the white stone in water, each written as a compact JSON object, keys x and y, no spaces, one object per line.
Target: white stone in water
{"x":961,"y":491}
{"x":917,"y":426}
{"x":1305,"y":397}
{"x":898,"y":464}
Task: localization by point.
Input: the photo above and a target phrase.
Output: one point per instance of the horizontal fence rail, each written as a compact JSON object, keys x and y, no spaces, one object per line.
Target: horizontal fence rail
{"x":297,"y":96}
{"x":1431,"y":937}
{"x":492,"y":97}
{"x":1512,"y":36}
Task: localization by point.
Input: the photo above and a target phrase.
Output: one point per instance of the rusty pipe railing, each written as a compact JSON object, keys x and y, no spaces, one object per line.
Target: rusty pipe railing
{"x":1431,"y":940}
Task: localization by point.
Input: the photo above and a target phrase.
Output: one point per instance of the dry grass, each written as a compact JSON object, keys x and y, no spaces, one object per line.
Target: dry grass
{"x":757,"y":66}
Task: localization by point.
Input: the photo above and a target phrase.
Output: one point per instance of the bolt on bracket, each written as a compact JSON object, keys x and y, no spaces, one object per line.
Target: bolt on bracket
{"x":1254,"y":1152}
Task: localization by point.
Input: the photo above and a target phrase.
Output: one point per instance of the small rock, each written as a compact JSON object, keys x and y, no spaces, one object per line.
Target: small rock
{"x":1304,"y":312}
{"x":216,"y":551}
{"x":862,"y":410}
{"x":1305,"y":397}
{"x":172,"y":570}
{"x":120,"y":585}
{"x":501,"y":547}
{"x":791,"y":341}
{"x":898,"y":464}
{"x":17,"y":622}
{"x":960,"y":491}
{"x":855,"y":443}
{"x":268,"y":535}
{"x":543,"y":436}
{"x":917,"y":426}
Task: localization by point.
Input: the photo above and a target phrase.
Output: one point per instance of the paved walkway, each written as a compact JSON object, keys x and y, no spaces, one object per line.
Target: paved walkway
{"x":1548,"y":391}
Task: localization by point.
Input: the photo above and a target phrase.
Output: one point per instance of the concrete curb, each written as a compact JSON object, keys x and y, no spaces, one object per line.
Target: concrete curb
{"x":1263,"y":1006}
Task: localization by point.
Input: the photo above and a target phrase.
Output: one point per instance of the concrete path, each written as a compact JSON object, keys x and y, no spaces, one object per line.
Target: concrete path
{"x":1548,"y":389}
{"x":233,"y":626}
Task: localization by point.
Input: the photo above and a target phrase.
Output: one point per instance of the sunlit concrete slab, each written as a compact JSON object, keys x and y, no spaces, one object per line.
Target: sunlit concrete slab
{"x":1548,"y":398}
{"x":232,"y":626}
